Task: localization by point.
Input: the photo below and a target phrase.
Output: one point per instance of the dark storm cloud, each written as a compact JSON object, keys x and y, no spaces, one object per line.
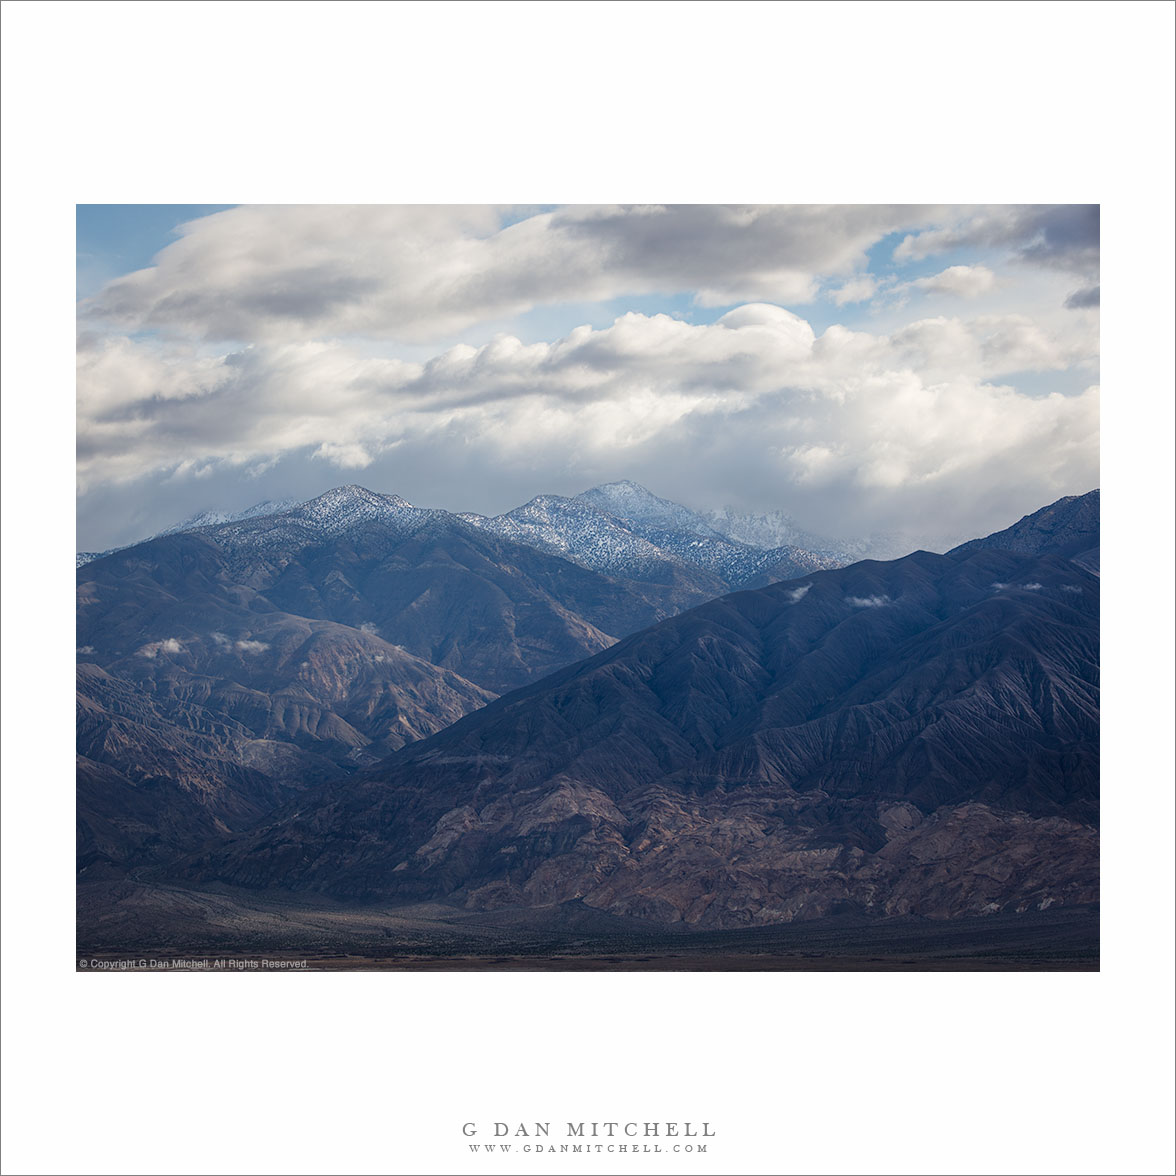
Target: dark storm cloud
{"x":1056,"y":236}
{"x":736,"y":253}
{"x":1065,"y":237}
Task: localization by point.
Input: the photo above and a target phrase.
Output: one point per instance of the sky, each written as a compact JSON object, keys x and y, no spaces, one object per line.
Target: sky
{"x":930,"y":371}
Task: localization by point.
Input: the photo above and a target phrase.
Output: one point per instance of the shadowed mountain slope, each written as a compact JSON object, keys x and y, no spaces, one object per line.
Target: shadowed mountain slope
{"x":1068,"y":527}
{"x":231,"y":665}
{"x":918,"y":736}
{"x":496,"y":612}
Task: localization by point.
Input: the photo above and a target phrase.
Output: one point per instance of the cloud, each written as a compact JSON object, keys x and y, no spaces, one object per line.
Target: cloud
{"x":859,"y":289}
{"x":266,"y":274}
{"x":154,"y":648}
{"x":278,"y":351}
{"x":1058,"y":236}
{"x":879,"y":427}
{"x":1083,"y":299}
{"x":796,"y":594}
{"x":967,"y":281}
{"x":868,"y":601}
{"x":1033,"y":587}
{"x":1071,"y":588}
{"x":85,"y":649}
{"x":625,"y":381}
{"x":244,"y":645}
{"x":368,"y":627}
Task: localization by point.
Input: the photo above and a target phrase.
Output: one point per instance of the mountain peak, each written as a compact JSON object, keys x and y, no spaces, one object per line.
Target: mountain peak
{"x":642,"y":510}
{"x":352,"y":495}
{"x":632,"y":500}
{"x":1069,"y":527}
{"x":622,"y":491}
{"x":347,"y":506}
{"x":627,"y":484}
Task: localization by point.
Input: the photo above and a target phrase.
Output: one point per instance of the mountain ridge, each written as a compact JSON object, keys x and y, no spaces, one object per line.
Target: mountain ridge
{"x":794,"y":749}
{"x":721,"y":737}
{"x":1070,"y":527}
{"x":627,"y":544}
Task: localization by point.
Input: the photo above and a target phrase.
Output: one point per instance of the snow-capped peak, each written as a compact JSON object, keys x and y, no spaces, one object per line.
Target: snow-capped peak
{"x":620,"y":528}
{"x":355,"y":498}
{"x":635,"y":504}
{"x":214,"y":518}
{"x":348,"y":506}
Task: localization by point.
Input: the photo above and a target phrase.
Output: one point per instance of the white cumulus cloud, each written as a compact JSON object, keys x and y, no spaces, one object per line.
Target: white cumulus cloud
{"x":859,"y":289}
{"x":257,"y":273}
{"x":914,"y":423}
{"x":965,"y":280}
{"x":296,"y":347}
{"x":154,"y":648}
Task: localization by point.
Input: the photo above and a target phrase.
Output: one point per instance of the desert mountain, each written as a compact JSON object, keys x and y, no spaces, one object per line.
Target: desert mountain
{"x":496,"y":612}
{"x":234,"y":663}
{"x":621,"y":529}
{"x":1068,"y":527}
{"x":918,"y":736}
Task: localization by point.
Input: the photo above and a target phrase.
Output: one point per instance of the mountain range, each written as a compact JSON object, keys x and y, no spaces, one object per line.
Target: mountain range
{"x":305,"y":701}
{"x":232,"y":661}
{"x":619,"y":527}
{"x":1068,"y":527}
{"x":902,"y":736}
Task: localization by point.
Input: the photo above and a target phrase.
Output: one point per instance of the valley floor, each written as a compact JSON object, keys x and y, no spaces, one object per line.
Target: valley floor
{"x":127,"y":925}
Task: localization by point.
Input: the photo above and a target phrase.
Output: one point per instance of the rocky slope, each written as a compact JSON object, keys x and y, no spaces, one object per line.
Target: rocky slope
{"x":1068,"y":527}
{"x":211,"y":728}
{"x":910,"y":737}
{"x":497,"y":613}
{"x":233,"y":664}
{"x":918,"y":737}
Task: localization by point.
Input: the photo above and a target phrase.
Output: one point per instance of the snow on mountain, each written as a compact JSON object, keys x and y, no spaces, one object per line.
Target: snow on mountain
{"x":620,"y":529}
{"x":214,"y":518}
{"x":344,"y":507}
{"x":739,"y":547}
{"x":339,"y":512}
{"x":641,"y":509}
{"x":692,"y":538}
{"x":292,"y":524}
{"x":576,"y":531}
{"x":769,"y":529}
{"x":206,"y":518}
{"x":623,"y":529}
{"x":777,"y":529}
